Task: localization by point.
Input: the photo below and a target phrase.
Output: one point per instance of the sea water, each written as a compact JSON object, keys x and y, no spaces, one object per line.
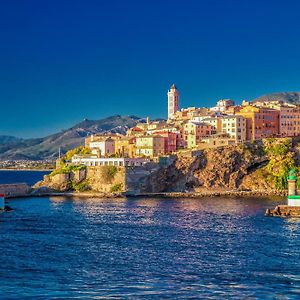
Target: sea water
{"x":208,"y":248}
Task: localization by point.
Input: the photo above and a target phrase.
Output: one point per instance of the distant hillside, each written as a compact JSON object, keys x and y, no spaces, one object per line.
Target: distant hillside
{"x":7,"y":139}
{"x":47,"y":147}
{"x":290,"y":97}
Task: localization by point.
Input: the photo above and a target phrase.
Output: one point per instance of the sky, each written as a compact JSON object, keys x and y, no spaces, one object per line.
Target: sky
{"x":62,"y":61}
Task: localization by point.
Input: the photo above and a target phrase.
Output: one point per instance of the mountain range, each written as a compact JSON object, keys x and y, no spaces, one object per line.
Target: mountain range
{"x":12,"y":148}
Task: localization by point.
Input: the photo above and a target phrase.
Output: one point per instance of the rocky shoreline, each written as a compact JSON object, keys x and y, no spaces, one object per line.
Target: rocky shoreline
{"x":258,"y":193}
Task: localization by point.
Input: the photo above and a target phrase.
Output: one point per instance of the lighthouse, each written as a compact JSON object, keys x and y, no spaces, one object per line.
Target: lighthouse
{"x":293,"y":198}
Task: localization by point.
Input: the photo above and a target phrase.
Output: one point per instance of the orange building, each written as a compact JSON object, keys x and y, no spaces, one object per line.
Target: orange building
{"x":260,"y":122}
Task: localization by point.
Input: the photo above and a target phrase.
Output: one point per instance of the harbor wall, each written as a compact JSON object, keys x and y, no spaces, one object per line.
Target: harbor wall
{"x":14,"y":190}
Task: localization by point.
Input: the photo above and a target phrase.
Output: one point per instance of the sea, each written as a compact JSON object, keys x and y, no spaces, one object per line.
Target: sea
{"x":148,"y":248}
{"x":22,"y":176}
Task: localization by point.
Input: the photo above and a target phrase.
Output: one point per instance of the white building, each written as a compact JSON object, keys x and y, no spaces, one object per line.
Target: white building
{"x":103,"y":147}
{"x":234,"y":126}
{"x":94,"y":161}
{"x":173,"y":101}
{"x":222,"y":105}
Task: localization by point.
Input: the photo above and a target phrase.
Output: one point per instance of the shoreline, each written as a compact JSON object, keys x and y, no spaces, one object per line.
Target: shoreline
{"x":27,"y":169}
{"x":166,"y":195}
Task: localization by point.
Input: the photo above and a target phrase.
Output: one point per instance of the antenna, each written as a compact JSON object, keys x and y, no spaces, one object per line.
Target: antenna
{"x":59,"y":152}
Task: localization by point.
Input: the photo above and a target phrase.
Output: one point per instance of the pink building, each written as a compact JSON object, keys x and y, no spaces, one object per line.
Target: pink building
{"x":170,"y":140}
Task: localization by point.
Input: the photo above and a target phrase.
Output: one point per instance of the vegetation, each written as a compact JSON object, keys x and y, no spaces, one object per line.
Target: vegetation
{"x":116,"y":188}
{"x":281,"y":160}
{"x":64,"y":169}
{"x":81,"y":150}
{"x":82,"y":186}
{"x":109,"y":172}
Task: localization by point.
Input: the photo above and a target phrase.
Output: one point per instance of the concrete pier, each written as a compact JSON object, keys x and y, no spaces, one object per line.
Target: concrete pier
{"x":14,"y":190}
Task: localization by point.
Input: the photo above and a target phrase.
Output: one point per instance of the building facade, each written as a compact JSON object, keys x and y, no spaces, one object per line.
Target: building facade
{"x":150,"y":146}
{"x":235,"y":127}
{"x":194,"y":132}
{"x":260,"y":122}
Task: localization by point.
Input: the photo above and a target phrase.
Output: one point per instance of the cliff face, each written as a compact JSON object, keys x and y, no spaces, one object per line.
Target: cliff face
{"x":255,"y":166}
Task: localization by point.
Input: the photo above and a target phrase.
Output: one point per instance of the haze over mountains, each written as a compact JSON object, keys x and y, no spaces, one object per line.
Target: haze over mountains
{"x":13,"y":148}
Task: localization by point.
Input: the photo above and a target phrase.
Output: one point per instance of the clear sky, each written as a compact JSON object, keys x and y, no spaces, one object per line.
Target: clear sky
{"x":62,"y":61}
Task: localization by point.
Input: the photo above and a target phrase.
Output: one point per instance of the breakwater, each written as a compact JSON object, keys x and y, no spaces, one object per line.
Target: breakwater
{"x":15,"y":190}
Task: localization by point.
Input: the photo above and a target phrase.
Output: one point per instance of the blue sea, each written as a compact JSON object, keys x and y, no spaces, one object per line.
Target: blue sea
{"x":16,"y":176}
{"x":213,"y":248}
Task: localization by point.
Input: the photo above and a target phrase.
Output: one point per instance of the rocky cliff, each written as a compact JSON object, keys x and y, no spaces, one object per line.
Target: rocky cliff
{"x":262,"y":165}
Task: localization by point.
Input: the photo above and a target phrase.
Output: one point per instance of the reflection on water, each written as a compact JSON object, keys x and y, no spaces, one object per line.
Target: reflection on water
{"x":148,"y":248}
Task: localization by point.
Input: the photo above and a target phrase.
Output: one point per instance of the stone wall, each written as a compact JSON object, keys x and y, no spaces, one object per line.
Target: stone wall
{"x":13,"y":190}
{"x":100,"y":180}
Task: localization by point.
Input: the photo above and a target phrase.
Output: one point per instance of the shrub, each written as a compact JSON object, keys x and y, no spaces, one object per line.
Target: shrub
{"x":81,"y":186}
{"x":116,"y":188}
{"x":108,"y":173}
{"x":79,"y":150}
{"x":67,"y":169}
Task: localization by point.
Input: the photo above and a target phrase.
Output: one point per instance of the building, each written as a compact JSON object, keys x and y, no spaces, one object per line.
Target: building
{"x":150,"y":145}
{"x":194,"y":132}
{"x":102,"y":147}
{"x":260,"y":122}
{"x":235,"y":127}
{"x":173,"y":101}
{"x":218,"y":140}
{"x":223,"y":105}
{"x":186,"y":114}
{"x":215,"y":123}
{"x":125,"y":147}
{"x":94,"y":161}
{"x":170,"y":139}
{"x":135,"y":131}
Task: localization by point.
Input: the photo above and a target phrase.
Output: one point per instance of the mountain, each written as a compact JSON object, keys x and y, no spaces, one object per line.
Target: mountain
{"x":290,"y":97}
{"x":47,"y":147}
{"x":8,"y":139}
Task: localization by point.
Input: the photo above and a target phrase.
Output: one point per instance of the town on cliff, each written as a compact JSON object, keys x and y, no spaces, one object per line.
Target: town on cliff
{"x":227,"y":147}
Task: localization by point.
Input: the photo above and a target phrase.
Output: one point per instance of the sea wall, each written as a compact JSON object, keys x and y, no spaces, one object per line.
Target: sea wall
{"x":14,"y":190}
{"x":104,"y":179}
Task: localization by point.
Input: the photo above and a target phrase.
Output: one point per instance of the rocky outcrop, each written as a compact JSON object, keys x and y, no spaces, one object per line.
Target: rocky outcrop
{"x":259,"y":166}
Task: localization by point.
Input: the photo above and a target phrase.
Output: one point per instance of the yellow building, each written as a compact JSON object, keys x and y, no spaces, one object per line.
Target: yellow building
{"x":125,"y":147}
{"x":193,"y":133}
{"x":150,"y":146}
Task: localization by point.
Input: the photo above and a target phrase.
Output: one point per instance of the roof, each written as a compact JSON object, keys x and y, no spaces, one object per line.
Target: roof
{"x":173,"y":86}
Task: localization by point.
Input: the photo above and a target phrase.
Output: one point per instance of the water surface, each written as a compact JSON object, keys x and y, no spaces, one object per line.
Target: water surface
{"x":21,"y":176}
{"x":148,"y":249}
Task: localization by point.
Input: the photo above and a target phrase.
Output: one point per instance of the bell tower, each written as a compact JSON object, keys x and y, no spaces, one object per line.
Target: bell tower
{"x":173,"y":101}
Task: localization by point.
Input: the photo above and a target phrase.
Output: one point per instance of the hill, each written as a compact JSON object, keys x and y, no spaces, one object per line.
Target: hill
{"x":12,"y":148}
{"x":290,"y":97}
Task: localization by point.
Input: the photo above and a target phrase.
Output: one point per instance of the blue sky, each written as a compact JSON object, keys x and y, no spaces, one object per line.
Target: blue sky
{"x":63,"y":61}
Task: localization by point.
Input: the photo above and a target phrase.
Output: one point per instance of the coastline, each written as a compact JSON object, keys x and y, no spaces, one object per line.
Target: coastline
{"x":166,"y":195}
{"x":27,"y":169}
